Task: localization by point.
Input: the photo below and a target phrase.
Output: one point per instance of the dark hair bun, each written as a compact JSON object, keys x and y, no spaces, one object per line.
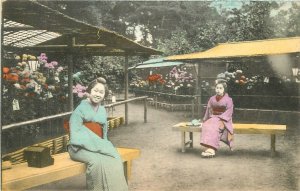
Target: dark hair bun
{"x":101,"y":80}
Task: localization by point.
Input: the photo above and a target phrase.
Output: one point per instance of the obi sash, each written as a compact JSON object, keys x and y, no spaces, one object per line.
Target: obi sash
{"x":93,"y":126}
{"x":218,"y":110}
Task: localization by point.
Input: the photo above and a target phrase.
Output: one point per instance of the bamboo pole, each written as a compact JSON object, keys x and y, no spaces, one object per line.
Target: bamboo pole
{"x":126,"y":101}
{"x":145,"y":110}
{"x":126,"y":88}
{"x":54,"y":142}
{"x":70,"y":73}
{"x":61,"y":115}
{"x":193,"y":108}
{"x":42,"y":119}
{"x":199,"y":90}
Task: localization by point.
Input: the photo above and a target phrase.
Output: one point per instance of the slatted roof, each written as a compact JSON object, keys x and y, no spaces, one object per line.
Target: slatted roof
{"x":31,"y":25}
{"x":245,"y":49}
{"x":25,"y":36}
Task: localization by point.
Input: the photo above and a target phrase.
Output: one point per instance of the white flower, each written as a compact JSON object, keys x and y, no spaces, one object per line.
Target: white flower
{"x":17,"y":85}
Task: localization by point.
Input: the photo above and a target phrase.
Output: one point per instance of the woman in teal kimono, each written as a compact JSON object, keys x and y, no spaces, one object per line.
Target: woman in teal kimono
{"x":104,"y":165}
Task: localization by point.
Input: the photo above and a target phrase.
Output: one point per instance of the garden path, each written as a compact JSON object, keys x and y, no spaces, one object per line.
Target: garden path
{"x":162,"y":166}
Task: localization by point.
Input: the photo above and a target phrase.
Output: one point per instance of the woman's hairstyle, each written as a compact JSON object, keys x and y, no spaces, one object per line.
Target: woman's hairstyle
{"x":93,"y":83}
{"x":224,"y":84}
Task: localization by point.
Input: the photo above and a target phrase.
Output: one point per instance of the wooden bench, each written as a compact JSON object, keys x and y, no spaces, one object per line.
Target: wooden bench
{"x":239,"y":128}
{"x":21,"y":177}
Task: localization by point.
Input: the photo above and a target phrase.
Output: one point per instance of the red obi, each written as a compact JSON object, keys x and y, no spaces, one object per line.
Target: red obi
{"x":93,"y":126}
{"x":218,"y":110}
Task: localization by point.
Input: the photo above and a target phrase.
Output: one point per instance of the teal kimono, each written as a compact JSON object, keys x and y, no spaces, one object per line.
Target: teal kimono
{"x":104,"y":165}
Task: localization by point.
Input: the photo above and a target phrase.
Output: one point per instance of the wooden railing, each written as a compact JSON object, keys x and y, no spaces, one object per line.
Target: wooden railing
{"x":66,"y":114}
{"x":18,"y":135}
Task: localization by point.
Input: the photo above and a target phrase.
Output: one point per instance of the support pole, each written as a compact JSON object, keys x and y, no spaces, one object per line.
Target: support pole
{"x":273,"y":141}
{"x":193,"y":108}
{"x":183,"y":141}
{"x":191,"y":140}
{"x":145,"y":110}
{"x":199,"y":89}
{"x":70,"y":73}
{"x":126,"y":88}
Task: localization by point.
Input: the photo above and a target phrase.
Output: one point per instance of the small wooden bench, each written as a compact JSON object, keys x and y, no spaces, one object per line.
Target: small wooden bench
{"x":239,"y":128}
{"x":22,"y":177}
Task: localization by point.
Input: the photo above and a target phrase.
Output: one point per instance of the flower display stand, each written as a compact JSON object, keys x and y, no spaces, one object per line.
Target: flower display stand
{"x":56,"y":145}
{"x":114,"y":122}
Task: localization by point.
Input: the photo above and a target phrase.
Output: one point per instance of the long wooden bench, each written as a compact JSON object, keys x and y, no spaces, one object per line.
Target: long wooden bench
{"x":239,"y":128}
{"x":21,"y":177}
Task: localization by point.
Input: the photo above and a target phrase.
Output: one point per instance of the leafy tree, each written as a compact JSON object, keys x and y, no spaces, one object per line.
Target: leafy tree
{"x":287,"y":21}
{"x":252,"y":22}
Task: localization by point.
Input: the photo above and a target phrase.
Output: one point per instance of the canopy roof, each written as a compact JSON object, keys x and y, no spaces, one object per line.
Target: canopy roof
{"x":41,"y":24}
{"x":156,"y":62}
{"x":245,"y":49}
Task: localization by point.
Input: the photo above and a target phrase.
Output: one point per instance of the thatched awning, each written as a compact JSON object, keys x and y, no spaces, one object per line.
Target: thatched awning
{"x":36,"y":16}
{"x":156,"y":63}
{"x":245,"y":49}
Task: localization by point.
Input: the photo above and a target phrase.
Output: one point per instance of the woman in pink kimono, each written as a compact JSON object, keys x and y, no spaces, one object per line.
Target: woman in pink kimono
{"x":217,"y":122}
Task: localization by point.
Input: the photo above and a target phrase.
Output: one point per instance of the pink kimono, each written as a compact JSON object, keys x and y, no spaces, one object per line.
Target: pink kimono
{"x":218,"y":122}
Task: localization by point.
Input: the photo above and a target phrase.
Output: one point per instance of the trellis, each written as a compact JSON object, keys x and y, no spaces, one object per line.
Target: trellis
{"x":33,"y":27}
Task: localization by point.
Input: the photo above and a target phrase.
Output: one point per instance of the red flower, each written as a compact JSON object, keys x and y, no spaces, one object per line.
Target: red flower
{"x":11,"y":77}
{"x":5,"y":70}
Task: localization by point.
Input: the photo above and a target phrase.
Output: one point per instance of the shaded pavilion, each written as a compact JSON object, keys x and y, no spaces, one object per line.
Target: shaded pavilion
{"x":33,"y":27}
{"x":261,"y":51}
{"x":156,"y":62}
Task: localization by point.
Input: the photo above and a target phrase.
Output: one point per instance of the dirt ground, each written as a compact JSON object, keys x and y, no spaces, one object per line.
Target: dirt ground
{"x":163,"y":167}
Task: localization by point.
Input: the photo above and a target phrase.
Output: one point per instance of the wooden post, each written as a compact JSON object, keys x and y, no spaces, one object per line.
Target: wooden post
{"x":145,"y":110}
{"x":155,"y":101}
{"x":65,"y":142}
{"x":126,"y":88}
{"x":54,"y":146}
{"x":183,"y":141}
{"x":273,"y":141}
{"x":70,"y":73}
{"x":193,"y":108}
{"x":191,"y":140}
{"x":199,"y":90}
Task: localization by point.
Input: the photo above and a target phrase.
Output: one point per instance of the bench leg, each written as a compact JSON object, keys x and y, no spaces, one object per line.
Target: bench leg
{"x":127,"y":170}
{"x":273,"y":140}
{"x":191,"y":139}
{"x":183,"y":141}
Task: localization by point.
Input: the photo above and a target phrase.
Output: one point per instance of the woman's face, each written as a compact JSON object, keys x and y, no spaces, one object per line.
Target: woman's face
{"x":219,"y":89}
{"x":97,"y":93}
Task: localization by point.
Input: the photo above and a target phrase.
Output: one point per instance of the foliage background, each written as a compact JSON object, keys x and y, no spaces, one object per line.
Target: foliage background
{"x":174,"y":27}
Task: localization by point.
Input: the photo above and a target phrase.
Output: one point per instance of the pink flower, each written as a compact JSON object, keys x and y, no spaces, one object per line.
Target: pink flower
{"x":79,"y":90}
{"x":81,"y":94}
{"x":54,"y":63}
{"x":48,"y":65}
{"x":43,"y":57}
